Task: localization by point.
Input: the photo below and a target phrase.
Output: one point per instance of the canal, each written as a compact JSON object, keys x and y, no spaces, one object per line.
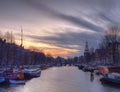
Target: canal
{"x":62,"y":79}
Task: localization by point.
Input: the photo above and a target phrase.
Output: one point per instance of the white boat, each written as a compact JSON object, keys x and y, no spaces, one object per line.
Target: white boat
{"x":17,"y":81}
{"x":32,"y":72}
{"x":37,"y":70}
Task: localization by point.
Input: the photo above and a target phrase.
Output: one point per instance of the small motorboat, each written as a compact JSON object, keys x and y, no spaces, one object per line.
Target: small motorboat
{"x":16,"y":81}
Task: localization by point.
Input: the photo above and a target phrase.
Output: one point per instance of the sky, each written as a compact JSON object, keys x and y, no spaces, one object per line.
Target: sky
{"x":59,"y":27}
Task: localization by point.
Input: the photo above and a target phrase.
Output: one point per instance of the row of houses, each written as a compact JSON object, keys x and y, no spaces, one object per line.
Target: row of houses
{"x":12,"y":54}
{"x":108,"y":55}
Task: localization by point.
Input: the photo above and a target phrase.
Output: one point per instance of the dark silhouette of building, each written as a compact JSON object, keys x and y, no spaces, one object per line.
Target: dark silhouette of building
{"x":114,"y":52}
{"x":86,"y":53}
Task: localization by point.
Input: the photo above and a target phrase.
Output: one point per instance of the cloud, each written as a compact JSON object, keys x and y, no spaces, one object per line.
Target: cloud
{"x":93,"y":16}
{"x":71,"y":19}
{"x":94,"y":6}
{"x":108,"y":19}
{"x":70,"y":39}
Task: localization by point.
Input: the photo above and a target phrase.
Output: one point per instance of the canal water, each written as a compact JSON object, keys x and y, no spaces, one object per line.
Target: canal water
{"x":62,"y":79}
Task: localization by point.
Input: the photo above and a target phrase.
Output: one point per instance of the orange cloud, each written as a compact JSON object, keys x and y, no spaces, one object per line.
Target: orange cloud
{"x":48,"y":49}
{"x":60,"y":51}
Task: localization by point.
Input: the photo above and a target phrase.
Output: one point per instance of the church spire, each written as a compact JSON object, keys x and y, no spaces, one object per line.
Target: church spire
{"x":86,"y":52}
{"x":86,"y":47}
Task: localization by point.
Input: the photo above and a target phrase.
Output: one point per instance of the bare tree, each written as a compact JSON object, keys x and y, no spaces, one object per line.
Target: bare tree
{"x":111,"y":41}
{"x":1,"y":35}
{"x":7,"y":37}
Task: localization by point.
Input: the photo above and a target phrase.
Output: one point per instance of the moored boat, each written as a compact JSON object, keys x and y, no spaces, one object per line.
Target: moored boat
{"x":80,"y":67}
{"x":31,"y":73}
{"x":44,"y":67}
{"x":11,"y":81}
{"x":2,"y":80}
{"x":108,"y":77}
{"x":113,"y":78}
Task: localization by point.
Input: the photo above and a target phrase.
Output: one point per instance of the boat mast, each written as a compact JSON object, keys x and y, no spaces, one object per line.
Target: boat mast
{"x":11,"y":38}
{"x":21,"y":37}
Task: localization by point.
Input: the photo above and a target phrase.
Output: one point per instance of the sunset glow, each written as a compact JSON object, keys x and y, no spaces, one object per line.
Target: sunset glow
{"x":48,"y":49}
{"x":53,"y":27}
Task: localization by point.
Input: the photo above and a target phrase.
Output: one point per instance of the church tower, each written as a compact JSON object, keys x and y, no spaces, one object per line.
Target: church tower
{"x":86,"y":52}
{"x":86,"y":47}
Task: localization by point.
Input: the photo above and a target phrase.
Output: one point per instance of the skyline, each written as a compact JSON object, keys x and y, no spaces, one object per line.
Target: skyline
{"x":59,"y":27}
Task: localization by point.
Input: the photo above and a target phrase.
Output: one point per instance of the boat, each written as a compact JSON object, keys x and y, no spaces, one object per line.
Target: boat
{"x":88,"y":69}
{"x":11,"y":81}
{"x":97,"y":72}
{"x":10,"y":75}
{"x":103,"y":70}
{"x":44,"y":67}
{"x":35,"y":74}
{"x":2,"y":80}
{"x":114,"y":69}
{"x":111,"y":78}
{"x":31,"y":73}
{"x":80,"y":67}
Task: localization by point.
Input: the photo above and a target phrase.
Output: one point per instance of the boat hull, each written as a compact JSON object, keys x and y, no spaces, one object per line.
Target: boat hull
{"x":17,"y":81}
{"x":110,"y":80}
{"x":3,"y":81}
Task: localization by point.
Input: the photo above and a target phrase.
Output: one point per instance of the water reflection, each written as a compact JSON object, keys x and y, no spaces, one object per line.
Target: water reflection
{"x":12,"y":88}
{"x":62,"y":79}
{"x":91,"y":76}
